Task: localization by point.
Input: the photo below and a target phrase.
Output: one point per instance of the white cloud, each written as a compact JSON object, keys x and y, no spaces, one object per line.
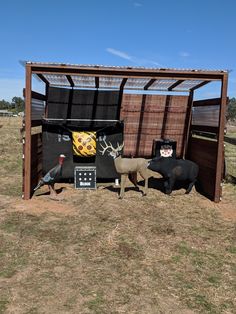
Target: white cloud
{"x":135,"y":60}
{"x":119,"y":53}
{"x":10,"y":88}
{"x":184,"y":54}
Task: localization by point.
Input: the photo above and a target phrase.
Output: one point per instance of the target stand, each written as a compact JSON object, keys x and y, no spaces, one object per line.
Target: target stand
{"x":85,"y":177}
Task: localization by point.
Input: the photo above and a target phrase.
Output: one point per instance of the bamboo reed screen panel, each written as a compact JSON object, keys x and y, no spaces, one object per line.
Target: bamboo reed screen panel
{"x":149,"y":117}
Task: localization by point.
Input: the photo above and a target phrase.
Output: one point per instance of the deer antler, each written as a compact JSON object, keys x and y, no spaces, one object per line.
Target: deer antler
{"x":106,"y":147}
{"x":119,"y":147}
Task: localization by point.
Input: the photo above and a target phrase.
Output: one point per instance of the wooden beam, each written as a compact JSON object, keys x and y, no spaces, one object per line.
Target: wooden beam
{"x":166,"y":72}
{"x":188,"y":122}
{"x":46,"y":107}
{"x":35,"y":123}
{"x":96,"y":82}
{"x":42,"y":78}
{"x":205,"y":128}
{"x":175,"y":84}
{"x":207,"y":102}
{"x":200,"y":85}
{"x":220,"y":148}
{"x":69,"y":78}
{"x":149,"y":84}
{"x":36,"y":95}
{"x":130,"y":74}
{"x":122,"y":84}
{"x":27,"y":146}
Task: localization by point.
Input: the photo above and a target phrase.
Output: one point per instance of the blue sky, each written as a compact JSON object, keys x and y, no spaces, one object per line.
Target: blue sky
{"x":151,"y":33}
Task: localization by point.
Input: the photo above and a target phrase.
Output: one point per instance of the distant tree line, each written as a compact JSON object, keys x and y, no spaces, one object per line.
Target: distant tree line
{"x":16,"y":105}
{"x":231,"y":111}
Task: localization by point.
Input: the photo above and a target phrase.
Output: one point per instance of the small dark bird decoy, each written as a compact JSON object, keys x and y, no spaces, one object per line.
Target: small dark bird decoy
{"x":51,"y":177}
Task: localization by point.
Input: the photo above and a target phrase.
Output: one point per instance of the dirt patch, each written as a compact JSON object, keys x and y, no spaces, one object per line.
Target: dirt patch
{"x":43,"y":204}
{"x":40,"y":206}
{"x":228,"y":211}
{"x":227,"y":207}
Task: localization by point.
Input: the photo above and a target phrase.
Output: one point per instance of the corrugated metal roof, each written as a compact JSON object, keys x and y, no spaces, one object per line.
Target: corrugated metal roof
{"x":123,"y":77}
{"x":125,"y":67}
{"x":115,"y":83}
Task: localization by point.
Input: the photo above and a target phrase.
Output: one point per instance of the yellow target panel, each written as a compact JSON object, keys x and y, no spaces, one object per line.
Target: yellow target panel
{"x":84,"y":144}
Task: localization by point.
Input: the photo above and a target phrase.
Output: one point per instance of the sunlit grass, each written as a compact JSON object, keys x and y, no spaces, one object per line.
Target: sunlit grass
{"x":153,"y":254}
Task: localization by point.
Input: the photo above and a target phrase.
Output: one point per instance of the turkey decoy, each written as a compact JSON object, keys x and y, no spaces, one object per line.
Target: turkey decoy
{"x":51,"y":177}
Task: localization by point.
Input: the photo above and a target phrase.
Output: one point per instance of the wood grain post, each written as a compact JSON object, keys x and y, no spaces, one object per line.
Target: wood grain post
{"x":27,"y":148}
{"x":188,"y":122}
{"x":220,"y":148}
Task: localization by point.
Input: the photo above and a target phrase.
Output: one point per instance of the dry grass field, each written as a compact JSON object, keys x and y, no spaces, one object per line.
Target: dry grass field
{"x":92,"y":253}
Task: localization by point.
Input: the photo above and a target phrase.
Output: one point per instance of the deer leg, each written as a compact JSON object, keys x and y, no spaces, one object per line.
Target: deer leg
{"x":122,"y":185}
{"x":145,"y":186}
{"x":144,"y":175}
{"x":133,"y":179}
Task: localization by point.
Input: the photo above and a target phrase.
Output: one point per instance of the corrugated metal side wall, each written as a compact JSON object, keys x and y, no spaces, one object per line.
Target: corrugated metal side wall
{"x":149,"y":117}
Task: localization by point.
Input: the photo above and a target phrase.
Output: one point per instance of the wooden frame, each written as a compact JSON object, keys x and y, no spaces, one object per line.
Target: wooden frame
{"x":125,"y":73}
{"x":27,"y":141}
{"x":220,"y":138}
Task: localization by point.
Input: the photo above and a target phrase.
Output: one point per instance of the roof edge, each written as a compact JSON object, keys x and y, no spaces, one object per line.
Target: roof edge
{"x":111,"y":67}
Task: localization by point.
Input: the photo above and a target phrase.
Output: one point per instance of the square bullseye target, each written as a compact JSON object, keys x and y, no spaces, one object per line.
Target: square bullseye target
{"x":85,"y":177}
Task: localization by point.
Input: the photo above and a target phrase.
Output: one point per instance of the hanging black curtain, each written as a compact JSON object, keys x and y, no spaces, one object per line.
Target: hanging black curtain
{"x":82,"y":104}
{"x":57,"y":139}
{"x":91,"y":105}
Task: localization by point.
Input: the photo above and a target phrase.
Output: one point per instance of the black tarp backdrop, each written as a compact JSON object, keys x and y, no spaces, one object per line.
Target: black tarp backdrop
{"x":57,"y":139}
{"x":81,"y":104}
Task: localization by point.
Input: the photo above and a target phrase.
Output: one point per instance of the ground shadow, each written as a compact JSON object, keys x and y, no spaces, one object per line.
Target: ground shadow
{"x":58,"y":191}
{"x":115,"y":189}
{"x":230,"y":140}
{"x":158,"y":184}
{"x":153,"y":183}
{"x":230,"y":179}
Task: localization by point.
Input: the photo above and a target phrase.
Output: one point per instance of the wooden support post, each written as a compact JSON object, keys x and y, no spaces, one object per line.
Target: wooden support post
{"x":220,"y":148}
{"x":120,"y":97}
{"x":46,"y":104}
{"x":27,"y":147}
{"x":188,"y":121}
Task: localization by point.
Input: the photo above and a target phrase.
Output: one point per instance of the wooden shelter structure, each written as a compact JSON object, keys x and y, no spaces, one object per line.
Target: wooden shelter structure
{"x":146,"y":114}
